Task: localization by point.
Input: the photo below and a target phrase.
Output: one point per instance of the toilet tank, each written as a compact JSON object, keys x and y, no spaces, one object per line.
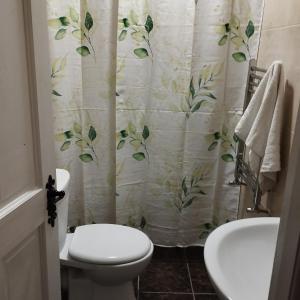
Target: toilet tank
{"x":62,"y":206}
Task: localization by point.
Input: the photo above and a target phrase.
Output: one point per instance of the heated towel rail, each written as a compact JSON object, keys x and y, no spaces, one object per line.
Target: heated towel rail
{"x":243,"y":175}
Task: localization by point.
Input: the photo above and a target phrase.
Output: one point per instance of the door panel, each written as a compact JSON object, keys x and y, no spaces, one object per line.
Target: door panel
{"x":25,"y":262}
{"x":16,"y":147}
{"x":22,"y":262}
{"x":29,"y":258}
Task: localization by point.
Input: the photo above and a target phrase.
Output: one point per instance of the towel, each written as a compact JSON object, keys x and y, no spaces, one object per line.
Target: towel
{"x":261,"y":125}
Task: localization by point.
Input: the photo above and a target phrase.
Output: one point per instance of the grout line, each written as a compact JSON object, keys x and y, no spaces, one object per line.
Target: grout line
{"x":138,"y":288}
{"x":169,"y":293}
{"x":207,"y":294}
{"x":283,"y":27}
{"x":190,"y":278}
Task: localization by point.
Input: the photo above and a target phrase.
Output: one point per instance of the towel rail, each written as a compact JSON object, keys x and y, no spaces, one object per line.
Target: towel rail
{"x":253,"y":75}
{"x":255,"y":68}
{"x":243,"y":175}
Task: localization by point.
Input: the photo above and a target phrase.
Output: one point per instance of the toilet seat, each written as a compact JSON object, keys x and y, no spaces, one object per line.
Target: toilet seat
{"x":67,"y":261}
{"x":108,"y":244}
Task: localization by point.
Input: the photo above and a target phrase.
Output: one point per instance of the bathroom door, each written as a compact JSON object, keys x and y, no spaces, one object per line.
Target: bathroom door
{"x":29,"y":258}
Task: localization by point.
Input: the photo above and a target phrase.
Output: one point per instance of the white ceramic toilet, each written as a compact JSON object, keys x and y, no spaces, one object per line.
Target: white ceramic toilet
{"x":101,"y":259}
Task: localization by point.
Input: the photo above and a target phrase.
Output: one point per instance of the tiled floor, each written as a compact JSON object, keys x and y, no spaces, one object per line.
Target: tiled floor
{"x":174,"y":274}
{"x":177,"y":274}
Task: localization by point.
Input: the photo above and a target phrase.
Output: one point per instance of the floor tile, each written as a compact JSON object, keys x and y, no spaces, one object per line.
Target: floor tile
{"x":168,"y":254}
{"x":165,"y":277}
{"x":199,"y":277}
{"x":195,"y":253}
{"x":206,"y":297}
{"x":164,"y":296}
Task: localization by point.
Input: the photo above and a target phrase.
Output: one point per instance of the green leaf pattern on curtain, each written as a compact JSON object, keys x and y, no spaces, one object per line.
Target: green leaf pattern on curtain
{"x":85,"y":141}
{"x":233,"y":31}
{"x":139,"y":32}
{"x":57,"y":71}
{"x":78,"y":29}
{"x":145,"y":112}
{"x":202,"y":91}
{"x":227,"y":142}
{"x":138,"y":141}
{"x":83,"y":90}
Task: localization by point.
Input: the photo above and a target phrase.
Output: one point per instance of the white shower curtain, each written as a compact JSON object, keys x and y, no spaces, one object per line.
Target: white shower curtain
{"x":146,"y":94}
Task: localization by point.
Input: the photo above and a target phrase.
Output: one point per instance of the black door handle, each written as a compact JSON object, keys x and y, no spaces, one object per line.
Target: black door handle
{"x":53,"y":196}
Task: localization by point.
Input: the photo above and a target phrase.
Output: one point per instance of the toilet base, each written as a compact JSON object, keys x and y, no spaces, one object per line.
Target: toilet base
{"x":81,"y":288}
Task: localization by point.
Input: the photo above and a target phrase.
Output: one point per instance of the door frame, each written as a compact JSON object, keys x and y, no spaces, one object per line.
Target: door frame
{"x":36,"y":28}
{"x":286,"y":270}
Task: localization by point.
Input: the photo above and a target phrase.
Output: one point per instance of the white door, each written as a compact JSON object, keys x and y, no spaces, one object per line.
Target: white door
{"x":29,"y":259}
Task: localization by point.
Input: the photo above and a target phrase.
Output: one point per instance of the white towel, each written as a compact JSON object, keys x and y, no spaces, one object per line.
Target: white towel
{"x":261,"y":125}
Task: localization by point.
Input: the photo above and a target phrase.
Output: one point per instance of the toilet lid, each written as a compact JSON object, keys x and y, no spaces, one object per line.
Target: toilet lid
{"x":108,"y":244}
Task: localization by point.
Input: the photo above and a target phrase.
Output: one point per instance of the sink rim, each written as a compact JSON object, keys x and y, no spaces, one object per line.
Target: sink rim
{"x":216,"y":238}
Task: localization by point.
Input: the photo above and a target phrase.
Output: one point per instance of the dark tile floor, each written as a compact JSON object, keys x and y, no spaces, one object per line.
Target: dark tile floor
{"x":177,"y":274}
{"x":173,"y":274}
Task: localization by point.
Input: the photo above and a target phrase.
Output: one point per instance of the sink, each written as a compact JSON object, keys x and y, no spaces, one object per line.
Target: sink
{"x":239,"y":258}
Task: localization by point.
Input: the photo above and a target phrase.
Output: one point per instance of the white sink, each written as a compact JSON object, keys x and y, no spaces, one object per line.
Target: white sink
{"x":239,"y":258}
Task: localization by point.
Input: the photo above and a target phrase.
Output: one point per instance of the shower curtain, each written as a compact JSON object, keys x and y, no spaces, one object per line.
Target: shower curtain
{"x":146,"y":95}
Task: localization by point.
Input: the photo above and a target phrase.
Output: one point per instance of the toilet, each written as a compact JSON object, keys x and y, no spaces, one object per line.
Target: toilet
{"x":99,"y":260}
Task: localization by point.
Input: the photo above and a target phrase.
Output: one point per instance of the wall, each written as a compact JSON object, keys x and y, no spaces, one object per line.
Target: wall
{"x":286,"y":270}
{"x":280,"y":40}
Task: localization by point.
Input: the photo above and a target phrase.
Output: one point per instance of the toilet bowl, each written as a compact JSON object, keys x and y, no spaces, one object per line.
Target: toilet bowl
{"x":101,"y":259}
